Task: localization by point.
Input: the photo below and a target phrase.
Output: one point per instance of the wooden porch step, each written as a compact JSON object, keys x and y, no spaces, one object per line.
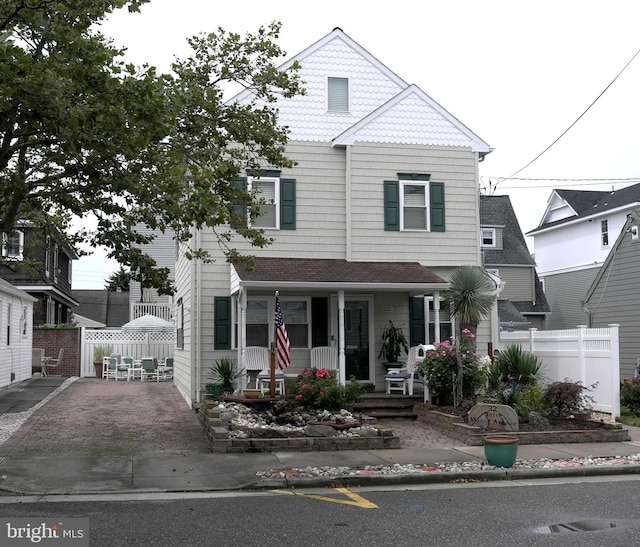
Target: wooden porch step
{"x":381,"y":405}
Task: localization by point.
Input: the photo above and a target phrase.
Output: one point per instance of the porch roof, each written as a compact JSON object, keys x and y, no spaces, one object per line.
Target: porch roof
{"x":335,"y":274}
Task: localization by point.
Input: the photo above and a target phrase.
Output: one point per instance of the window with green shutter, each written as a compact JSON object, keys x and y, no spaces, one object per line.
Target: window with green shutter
{"x":222,"y":322}
{"x":416,"y":321}
{"x":278,"y":212}
{"x":414,"y":203}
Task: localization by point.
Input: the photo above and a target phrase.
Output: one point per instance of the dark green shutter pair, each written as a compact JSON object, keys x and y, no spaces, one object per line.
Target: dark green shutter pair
{"x":416,"y":321}
{"x":392,"y":206}
{"x":287,"y":202}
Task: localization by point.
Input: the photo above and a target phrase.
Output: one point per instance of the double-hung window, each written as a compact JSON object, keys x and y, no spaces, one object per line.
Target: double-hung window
{"x":13,"y":245}
{"x":414,"y":203}
{"x":267,"y":191}
{"x":604,"y":229}
{"x":488,"y":237}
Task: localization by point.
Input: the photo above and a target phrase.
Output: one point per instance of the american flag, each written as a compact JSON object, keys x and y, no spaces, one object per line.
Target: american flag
{"x":282,"y":339}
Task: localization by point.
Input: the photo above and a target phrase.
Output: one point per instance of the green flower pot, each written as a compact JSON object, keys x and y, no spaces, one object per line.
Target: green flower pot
{"x":501,"y":450}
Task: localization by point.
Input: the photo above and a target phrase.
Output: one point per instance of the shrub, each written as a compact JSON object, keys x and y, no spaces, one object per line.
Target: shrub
{"x":566,"y":398}
{"x":630,"y":395}
{"x":515,"y":365}
{"x":318,"y":388}
{"x":439,"y":370}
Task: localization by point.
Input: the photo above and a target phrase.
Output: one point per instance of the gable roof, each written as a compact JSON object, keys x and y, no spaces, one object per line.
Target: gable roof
{"x":383,"y":107}
{"x":423,"y":121}
{"x":633,"y":218}
{"x":498,"y":211}
{"x":334,"y":274}
{"x":589,"y":203}
{"x":12,"y":290}
{"x":108,"y":308}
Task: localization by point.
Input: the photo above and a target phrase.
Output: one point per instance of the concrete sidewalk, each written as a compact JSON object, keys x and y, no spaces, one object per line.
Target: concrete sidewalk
{"x":98,"y":436}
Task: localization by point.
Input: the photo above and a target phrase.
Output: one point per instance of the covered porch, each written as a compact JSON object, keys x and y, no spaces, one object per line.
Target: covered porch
{"x":339,"y":304}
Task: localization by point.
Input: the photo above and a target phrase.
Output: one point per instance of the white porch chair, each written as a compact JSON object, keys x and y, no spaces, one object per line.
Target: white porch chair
{"x":50,"y":362}
{"x":402,"y":379}
{"x":324,"y":357}
{"x":258,"y":358}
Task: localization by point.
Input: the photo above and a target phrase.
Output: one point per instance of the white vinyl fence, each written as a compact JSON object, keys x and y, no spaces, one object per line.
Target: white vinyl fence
{"x":582,"y":355}
{"x":133,"y":344}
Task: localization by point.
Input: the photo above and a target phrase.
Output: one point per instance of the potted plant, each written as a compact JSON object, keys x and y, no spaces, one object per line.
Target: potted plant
{"x":99,"y":353}
{"x":223,"y":374}
{"x":393,"y":344}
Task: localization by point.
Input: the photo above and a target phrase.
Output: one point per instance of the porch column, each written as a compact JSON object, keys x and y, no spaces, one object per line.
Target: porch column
{"x":242,"y":333}
{"x":436,"y":312}
{"x":342,"y":366}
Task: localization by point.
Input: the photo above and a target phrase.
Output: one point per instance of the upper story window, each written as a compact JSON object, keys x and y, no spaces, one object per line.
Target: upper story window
{"x":337,"y":94}
{"x":267,"y":190}
{"x":13,"y":245}
{"x":47,"y":257}
{"x":414,"y":213}
{"x":604,"y":229}
{"x":414,"y":203}
{"x":488,"y":237}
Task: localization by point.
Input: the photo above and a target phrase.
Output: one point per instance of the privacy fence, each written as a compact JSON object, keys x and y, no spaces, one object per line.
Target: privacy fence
{"x":133,"y":344}
{"x":587,"y":355}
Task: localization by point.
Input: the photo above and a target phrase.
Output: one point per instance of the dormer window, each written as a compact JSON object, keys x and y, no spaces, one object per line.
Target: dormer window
{"x":337,"y":94}
{"x":488,"y":237}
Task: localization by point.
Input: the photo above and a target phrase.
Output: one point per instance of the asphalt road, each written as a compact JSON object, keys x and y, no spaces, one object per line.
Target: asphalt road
{"x":474,"y":515}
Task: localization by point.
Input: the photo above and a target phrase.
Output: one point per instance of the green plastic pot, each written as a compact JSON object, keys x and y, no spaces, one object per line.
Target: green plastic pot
{"x":501,"y":450}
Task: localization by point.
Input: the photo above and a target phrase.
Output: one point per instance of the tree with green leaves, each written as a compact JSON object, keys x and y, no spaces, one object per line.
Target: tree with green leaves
{"x":118,"y":281}
{"x":470,"y":296}
{"x":87,"y":140}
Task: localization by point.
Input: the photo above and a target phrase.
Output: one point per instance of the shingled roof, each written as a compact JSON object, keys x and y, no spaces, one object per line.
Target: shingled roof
{"x":592,"y":202}
{"x":498,"y":211}
{"x":329,"y":271}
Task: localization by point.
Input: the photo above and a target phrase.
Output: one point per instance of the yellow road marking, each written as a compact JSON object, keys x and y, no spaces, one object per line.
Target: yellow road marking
{"x":355,"y":499}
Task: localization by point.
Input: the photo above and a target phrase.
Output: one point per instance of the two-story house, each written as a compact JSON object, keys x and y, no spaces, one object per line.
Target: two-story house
{"x":41,"y":266}
{"x":572,"y":242}
{"x":521,"y":303}
{"x":614,"y":295}
{"x":380,"y":208}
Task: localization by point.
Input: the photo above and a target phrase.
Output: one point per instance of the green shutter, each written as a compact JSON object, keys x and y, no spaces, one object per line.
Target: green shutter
{"x":222,"y":322}
{"x":239,"y":211}
{"x":436,"y":201}
{"x":287,"y":204}
{"x":319,"y":321}
{"x":391,"y":206}
{"x":416,"y":321}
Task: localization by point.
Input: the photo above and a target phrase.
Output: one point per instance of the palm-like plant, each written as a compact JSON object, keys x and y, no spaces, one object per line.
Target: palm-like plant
{"x":470,"y":296}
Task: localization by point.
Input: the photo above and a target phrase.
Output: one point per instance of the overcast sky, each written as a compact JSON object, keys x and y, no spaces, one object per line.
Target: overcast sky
{"x":516,"y":73}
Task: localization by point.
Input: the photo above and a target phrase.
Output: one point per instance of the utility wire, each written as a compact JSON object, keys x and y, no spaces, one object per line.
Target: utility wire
{"x":576,"y":120}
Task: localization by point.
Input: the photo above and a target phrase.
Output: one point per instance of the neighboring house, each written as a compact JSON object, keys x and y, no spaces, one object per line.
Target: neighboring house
{"x":147,"y":301}
{"x":380,"y":208}
{"x":16,"y":334}
{"x":614,"y":295}
{"x":41,"y":266}
{"x":108,"y":309}
{"x":572,"y":242}
{"x":521,"y":303}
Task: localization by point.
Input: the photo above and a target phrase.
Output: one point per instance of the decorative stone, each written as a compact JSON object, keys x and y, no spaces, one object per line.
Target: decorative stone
{"x":367,"y":432}
{"x":319,"y":431}
{"x":493,"y":417}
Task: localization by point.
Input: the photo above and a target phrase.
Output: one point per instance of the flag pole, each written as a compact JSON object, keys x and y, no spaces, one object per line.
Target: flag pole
{"x":272,"y":363}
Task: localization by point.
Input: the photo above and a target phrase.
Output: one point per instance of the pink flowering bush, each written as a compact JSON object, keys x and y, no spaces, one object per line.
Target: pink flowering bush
{"x":318,"y":388}
{"x":439,"y":370}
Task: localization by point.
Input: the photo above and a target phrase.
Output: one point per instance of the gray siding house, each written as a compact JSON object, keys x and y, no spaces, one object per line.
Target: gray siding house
{"x":380,"y":208}
{"x":572,"y":242}
{"x":614,"y":295}
{"x":522,"y":303}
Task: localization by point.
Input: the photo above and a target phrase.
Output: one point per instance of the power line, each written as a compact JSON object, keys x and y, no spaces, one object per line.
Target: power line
{"x":575,"y":121}
{"x":568,"y":183}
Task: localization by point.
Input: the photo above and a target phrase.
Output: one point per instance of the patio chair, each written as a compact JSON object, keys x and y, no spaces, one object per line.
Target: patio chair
{"x":50,"y":362}
{"x":167,"y":369}
{"x":149,"y":370}
{"x":109,"y":368}
{"x":258,"y":358}
{"x":402,"y":379}
{"x":132,"y":370}
{"x":37,"y":356}
{"x":324,"y":357}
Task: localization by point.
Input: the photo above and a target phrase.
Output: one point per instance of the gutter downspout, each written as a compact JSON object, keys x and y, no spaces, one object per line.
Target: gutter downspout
{"x":198,"y":351}
{"x":347,"y":189}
